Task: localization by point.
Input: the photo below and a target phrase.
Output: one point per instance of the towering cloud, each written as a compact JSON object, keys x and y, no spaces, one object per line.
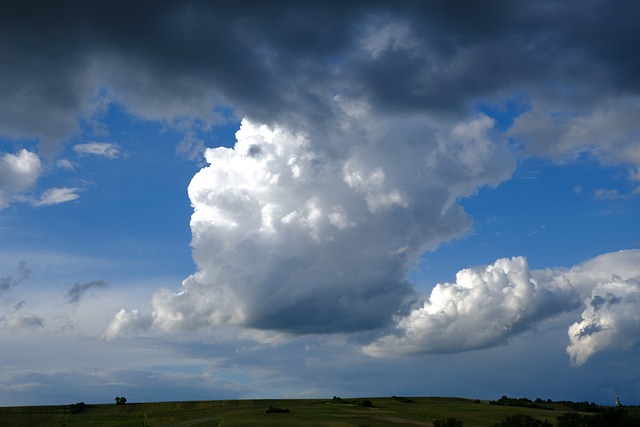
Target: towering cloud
{"x":288,"y":238}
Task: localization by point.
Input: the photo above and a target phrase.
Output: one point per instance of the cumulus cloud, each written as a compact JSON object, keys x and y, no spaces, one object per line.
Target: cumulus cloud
{"x":127,"y":322}
{"x":78,"y":290}
{"x":586,"y":276}
{"x":610,"y":320}
{"x":287,"y":238}
{"x":18,"y":173}
{"x":101,"y":149}
{"x":485,"y":307}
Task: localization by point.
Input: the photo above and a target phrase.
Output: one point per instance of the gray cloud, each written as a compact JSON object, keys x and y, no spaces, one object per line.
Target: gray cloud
{"x":7,"y":282}
{"x":284,"y":62}
{"x":78,"y":290}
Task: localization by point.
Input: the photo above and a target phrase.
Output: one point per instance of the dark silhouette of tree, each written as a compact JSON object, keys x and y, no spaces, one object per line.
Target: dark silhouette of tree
{"x":121,"y":400}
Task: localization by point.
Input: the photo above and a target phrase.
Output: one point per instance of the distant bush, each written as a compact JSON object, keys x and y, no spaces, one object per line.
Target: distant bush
{"x":366,"y":404}
{"x":449,"y":422}
{"x":272,"y":410}
{"x":521,"y":402}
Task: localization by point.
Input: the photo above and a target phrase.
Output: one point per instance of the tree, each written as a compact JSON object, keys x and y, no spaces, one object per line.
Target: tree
{"x":121,"y":400}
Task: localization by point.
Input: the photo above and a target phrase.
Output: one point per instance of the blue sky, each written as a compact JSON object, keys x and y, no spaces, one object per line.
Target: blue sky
{"x":216,"y":201}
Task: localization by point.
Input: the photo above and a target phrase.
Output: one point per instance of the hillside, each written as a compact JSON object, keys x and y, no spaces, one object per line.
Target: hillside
{"x":336,"y":412}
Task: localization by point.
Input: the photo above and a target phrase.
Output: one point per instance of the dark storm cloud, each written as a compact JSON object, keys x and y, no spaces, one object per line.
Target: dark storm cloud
{"x":268,"y":59}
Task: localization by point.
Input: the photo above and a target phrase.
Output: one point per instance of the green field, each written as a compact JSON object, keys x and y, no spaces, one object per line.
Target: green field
{"x":386,"y":411}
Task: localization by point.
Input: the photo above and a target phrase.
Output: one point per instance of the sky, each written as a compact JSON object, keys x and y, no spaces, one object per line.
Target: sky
{"x":291,"y":199}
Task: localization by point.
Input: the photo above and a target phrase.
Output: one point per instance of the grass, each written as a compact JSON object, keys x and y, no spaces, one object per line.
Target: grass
{"x":386,"y":411}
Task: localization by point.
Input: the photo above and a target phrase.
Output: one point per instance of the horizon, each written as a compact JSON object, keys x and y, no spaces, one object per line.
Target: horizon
{"x":259,"y":200}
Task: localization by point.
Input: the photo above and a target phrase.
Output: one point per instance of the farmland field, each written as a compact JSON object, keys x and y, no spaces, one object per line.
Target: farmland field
{"x":384,"y":411}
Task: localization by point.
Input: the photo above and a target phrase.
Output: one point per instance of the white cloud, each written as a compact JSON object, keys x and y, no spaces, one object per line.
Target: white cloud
{"x":125,"y":322}
{"x":610,"y":320}
{"x":485,"y":307}
{"x":102,"y":149}
{"x":65,"y":164}
{"x":18,"y":173}
{"x":287,"y":237}
{"x":586,"y":276}
{"x":57,"y":195}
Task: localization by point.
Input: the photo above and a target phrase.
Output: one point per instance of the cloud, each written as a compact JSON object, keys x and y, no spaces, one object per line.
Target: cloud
{"x":18,"y":173}
{"x":101,"y":149}
{"x":9,"y":282}
{"x":16,"y":320}
{"x":608,"y":129}
{"x":485,"y":307}
{"x":586,"y":276}
{"x":288,"y":238}
{"x":78,"y":290}
{"x":401,"y":58}
{"x":54,"y":196}
{"x":127,"y":322}
{"x":65,"y":164}
{"x":610,"y":320}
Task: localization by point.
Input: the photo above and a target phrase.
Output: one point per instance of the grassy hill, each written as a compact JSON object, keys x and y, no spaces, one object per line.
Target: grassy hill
{"x":372,"y":412}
